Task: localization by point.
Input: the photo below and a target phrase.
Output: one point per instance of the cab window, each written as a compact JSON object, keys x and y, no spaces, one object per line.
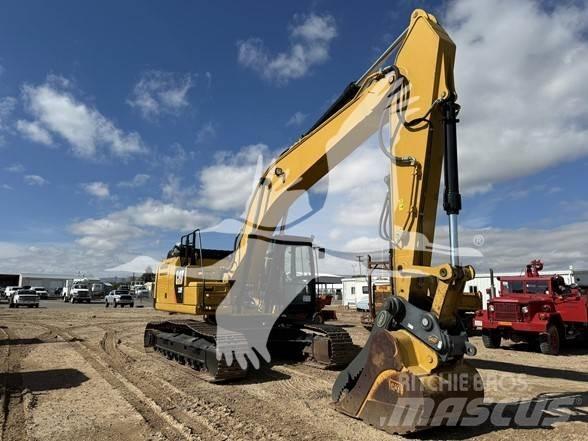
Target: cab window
{"x":537,"y":287}
{"x":513,"y":286}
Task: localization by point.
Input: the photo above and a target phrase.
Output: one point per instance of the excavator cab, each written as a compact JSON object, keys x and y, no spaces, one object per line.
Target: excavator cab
{"x":290,"y":267}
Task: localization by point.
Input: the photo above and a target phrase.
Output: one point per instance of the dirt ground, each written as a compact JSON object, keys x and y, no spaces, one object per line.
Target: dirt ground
{"x":79,"y":372}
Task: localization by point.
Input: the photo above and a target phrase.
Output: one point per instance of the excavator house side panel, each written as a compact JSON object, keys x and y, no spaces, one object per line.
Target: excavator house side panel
{"x":176,"y":290}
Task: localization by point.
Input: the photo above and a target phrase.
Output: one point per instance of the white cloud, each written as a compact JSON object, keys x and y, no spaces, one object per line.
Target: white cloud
{"x":63,"y":258}
{"x":511,"y":249}
{"x":119,"y":228}
{"x":138,"y":181}
{"x":175,"y":157}
{"x":206,"y":133}
{"x":57,"y":111}
{"x":105,"y":234}
{"x":227,"y":185}
{"x":7,"y":105}
{"x":97,"y":189}
{"x":173,"y":190}
{"x":15,"y":168}
{"x":159,"y":92}
{"x":37,"y":180}
{"x":154,"y":213}
{"x":34,"y":131}
{"x":521,"y":81}
{"x":297,"y":119}
{"x":6,"y":187}
{"x":137,"y":265}
{"x":310,"y":39}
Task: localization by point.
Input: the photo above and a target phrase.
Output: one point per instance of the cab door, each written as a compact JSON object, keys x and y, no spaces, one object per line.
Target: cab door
{"x":572,"y":306}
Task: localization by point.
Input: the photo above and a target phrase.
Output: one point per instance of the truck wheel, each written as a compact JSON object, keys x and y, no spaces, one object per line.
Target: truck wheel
{"x":11,"y":305}
{"x":37,"y":305}
{"x":106,"y":303}
{"x":491,"y":340}
{"x":132,"y":305}
{"x":550,"y":346}
{"x":114,"y":304}
{"x":318,"y":318}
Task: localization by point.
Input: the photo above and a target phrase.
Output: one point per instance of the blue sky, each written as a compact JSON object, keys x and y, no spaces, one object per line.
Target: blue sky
{"x":123,"y":123}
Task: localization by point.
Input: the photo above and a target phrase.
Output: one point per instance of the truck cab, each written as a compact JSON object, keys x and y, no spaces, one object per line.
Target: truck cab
{"x":78,"y":293}
{"x":541,"y":310}
{"x":24,"y":296}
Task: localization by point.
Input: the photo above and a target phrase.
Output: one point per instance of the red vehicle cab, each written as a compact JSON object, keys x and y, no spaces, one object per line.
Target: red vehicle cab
{"x":538,"y":309}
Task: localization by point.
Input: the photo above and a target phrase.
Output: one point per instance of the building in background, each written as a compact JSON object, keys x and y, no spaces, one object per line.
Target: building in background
{"x":355,"y":289}
{"x":51,"y":282}
{"x":329,"y":284}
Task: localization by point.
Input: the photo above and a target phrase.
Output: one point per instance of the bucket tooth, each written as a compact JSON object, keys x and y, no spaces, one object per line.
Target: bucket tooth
{"x":393,"y":386}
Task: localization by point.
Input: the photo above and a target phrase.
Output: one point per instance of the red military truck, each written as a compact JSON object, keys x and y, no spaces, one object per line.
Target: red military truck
{"x":541,"y":310}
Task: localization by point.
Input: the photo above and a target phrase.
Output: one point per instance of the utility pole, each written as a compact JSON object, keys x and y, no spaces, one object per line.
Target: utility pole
{"x":359,"y":260}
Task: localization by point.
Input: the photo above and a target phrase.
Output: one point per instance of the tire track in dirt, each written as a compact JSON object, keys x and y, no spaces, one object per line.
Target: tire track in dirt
{"x":293,"y":403}
{"x":276,"y":404}
{"x":192,"y":417}
{"x":217,"y":417}
{"x":14,"y":397}
{"x":298,"y":409}
{"x":160,"y":421}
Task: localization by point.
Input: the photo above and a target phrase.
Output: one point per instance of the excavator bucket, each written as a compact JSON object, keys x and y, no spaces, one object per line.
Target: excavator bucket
{"x":395,"y":385}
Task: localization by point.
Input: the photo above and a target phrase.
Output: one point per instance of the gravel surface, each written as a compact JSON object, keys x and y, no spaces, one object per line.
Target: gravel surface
{"x":79,"y":372}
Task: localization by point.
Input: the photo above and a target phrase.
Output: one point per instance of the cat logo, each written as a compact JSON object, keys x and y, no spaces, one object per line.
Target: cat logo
{"x":395,"y":386}
{"x":180,"y":273}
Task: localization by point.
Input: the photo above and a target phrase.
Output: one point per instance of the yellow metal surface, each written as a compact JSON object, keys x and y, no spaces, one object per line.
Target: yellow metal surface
{"x":426,"y":59}
{"x":199,"y":297}
{"x":417,"y":357}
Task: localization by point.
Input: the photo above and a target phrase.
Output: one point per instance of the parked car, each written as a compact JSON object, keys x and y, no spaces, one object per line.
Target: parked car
{"x":24,"y":296}
{"x":141,"y":292}
{"x":41,"y":291}
{"x":10,"y":290}
{"x":119,"y":297}
{"x":98,"y":290}
{"x":78,"y":293}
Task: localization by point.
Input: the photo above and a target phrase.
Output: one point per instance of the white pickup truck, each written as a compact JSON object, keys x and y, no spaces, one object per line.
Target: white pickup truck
{"x":78,"y":293}
{"x":23,"y":297}
{"x":119,"y":297}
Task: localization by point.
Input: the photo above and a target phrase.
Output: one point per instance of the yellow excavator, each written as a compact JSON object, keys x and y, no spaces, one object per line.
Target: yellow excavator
{"x":413,"y":361}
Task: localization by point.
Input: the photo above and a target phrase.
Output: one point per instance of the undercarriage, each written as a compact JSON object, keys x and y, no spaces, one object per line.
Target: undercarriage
{"x":193,"y":342}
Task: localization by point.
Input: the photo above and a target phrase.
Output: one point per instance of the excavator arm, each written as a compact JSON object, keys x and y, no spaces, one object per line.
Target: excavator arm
{"x":399,"y":379}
